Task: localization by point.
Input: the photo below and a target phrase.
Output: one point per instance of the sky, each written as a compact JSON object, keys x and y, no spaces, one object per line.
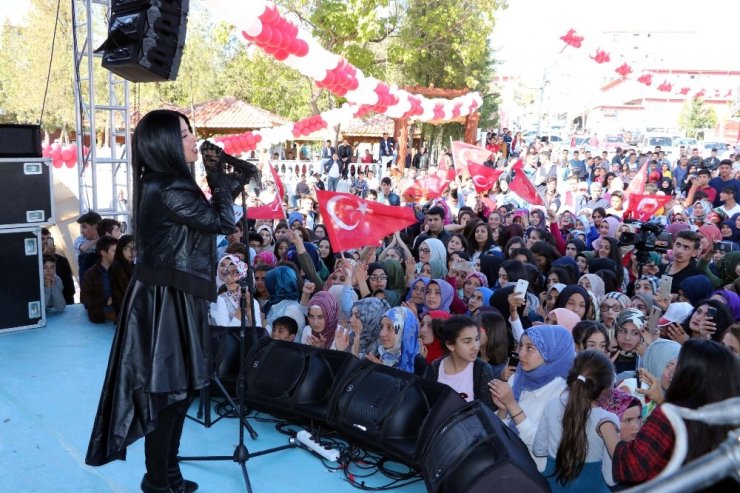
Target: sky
{"x":13,"y":9}
{"x":526,"y":36}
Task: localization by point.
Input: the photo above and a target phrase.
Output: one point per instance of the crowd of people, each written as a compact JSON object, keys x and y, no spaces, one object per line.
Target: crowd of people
{"x":578,"y":359}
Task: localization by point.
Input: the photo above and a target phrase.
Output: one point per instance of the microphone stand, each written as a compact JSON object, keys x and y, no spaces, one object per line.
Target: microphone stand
{"x":241,"y":453}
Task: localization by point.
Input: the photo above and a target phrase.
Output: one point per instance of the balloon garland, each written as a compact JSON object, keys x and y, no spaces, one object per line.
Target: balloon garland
{"x":645,"y":77}
{"x":62,"y":155}
{"x":262,"y":24}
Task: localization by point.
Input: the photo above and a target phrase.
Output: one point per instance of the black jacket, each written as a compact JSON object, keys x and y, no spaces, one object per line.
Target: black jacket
{"x":482,"y":374}
{"x":177,"y":242}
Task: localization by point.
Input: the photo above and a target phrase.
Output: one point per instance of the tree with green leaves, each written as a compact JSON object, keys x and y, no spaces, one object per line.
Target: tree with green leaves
{"x":696,"y":116}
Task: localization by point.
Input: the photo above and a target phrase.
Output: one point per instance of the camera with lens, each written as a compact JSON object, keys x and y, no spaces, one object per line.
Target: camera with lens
{"x":649,"y":237}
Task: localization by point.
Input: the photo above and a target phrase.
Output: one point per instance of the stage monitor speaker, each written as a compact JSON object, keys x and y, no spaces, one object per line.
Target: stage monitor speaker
{"x":225,"y":353}
{"x":21,"y":283}
{"x":390,"y":410}
{"x":146,"y":39}
{"x":296,"y":380}
{"x":475,"y":452}
{"x":26,"y":190}
{"x":20,"y":141}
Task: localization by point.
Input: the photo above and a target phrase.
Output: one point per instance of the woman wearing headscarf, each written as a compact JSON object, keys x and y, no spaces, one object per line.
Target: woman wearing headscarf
{"x":322,"y":321}
{"x":593,"y":283}
{"x":431,"y":347}
{"x":364,"y":324}
{"x":283,"y":287}
{"x":513,"y":310}
{"x":266,"y":257}
{"x":731,"y":299}
{"x":439,"y":295}
{"x":628,"y":327}
{"x":431,"y":249}
{"x":576,"y":299}
{"x":694,"y":289}
{"x":307,"y":257}
{"x":489,"y":266}
{"x":395,"y":288}
{"x":607,"y":229}
{"x":729,"y":231}
{"x":226,"y":310}
{"x":225,"y":261}
{"x":417,"y":293}
{"x":562,"y":317}
{"x":610,"y":307}
{"x":546,"y":353}
{"x":399,"y":341}
{"x":480,"y":298}
{"x":658,"y":366}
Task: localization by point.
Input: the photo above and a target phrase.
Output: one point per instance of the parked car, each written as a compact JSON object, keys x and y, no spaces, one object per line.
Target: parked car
{"x":611,"y":142}
{"x":723,"y":150}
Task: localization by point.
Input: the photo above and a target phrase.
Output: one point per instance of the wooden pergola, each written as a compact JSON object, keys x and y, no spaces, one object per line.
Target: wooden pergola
{"x":401,"y":125}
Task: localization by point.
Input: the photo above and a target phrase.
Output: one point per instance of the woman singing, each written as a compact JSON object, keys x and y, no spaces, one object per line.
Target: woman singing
{"x":159,"y":356}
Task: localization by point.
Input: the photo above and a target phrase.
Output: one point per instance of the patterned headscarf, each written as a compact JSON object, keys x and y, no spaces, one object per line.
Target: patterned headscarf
{"x":727,"y":266}
{"x":653,"y":282}
{"x":630,"y":315}
{"x":617,"y":401}
{"x":370,"y":310}
{"x":220,"y":279}
{"x":477,"y":275}
{"x":555,"y":345}
{"x":329,"y":308}
{"x":623,"y":300}
{"x":403,"y":352}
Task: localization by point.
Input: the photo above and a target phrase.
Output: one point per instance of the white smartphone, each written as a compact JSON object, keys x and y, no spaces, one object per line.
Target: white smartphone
{"x":521,"y":287}
{"x":666,"y":282}
{"x":655,"y":313}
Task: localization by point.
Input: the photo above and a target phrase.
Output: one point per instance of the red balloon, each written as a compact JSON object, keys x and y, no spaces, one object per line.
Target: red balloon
{"x":276,"y":39}
{"x":57,"y":163}
{"x":66,"y":154}
{"x":302,"y":49}
{"x":70,"y":164}
{"x":258,"y":138}
{"x":270,"y":15}
{"x":281,"y":55}
{"x":250,"y":139}
{"x":296,"y":133}
{"x":264,"y":37}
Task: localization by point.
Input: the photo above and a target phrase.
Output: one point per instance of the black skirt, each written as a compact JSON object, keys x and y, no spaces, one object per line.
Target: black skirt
{"x":158,"y":358}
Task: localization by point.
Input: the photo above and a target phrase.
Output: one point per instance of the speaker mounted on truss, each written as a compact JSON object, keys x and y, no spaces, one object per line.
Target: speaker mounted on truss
{"x":146,"y":39}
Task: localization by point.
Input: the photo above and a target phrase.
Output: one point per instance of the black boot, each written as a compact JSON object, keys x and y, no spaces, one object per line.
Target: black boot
{"x":177,"y":483}
{"x":147,"y":487}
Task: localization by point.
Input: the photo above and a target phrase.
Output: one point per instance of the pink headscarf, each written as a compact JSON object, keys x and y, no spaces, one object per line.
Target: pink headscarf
{"x":266,"y":257}
{"x":565,"y":318}
{"x":711,"y":233}
{"x":613,"y":223}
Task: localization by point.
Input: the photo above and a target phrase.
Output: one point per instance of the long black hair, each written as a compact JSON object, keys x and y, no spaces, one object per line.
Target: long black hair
{"x":706,"y":372}
{"x":158,"y":148}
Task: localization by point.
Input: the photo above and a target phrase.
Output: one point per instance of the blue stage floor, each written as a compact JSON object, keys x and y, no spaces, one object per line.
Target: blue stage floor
{"x":50,"y":381}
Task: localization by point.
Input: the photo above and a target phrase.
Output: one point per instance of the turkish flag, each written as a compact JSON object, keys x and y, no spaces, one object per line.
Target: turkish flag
{"x":272,"y":210}
{"x":278,"y":182}
{"x":637,"y":184}
{"x":483,"y":176}
{"x":464,"y":154}
{"x":643,"y":207}
{"x":427,"y":188}
{"x":352,"y":222}
{"x":521,"y":185}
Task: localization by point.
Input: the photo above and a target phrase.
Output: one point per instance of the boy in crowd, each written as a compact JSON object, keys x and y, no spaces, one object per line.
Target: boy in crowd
{"x":284,"y":329}
{"x":95,"y":290}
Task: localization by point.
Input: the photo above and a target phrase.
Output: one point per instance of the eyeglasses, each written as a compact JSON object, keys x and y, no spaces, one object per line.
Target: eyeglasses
{"x":614,"y":308}
{"x":424,"y":250}
{"x":378,"y":278}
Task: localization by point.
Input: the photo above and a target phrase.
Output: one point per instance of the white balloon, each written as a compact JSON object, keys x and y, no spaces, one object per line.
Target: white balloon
{"x":252,"y":26}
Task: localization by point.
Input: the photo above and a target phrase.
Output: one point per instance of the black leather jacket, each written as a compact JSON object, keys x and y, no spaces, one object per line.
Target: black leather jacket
{"x":176,"y":243}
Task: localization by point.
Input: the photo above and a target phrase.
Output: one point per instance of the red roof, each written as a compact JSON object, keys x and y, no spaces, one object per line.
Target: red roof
{"x":231,"y":113}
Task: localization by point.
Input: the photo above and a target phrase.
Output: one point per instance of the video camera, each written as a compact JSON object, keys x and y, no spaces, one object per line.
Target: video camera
{"x":650,"y":237}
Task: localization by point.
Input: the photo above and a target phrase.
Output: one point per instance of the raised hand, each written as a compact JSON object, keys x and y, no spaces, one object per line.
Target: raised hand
{"x":212,"y":157}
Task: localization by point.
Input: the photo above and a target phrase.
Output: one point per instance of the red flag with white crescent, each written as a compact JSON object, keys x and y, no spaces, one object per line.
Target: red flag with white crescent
{"x":271,"y":210}
{"x":483,"y":177}
{"x":352,"y":222}
{"x":643,"y":207}
{"x":463,"y":154}
{"x":429,"y":187}
{"x":522,"y":186}
{"x":637,"y":184}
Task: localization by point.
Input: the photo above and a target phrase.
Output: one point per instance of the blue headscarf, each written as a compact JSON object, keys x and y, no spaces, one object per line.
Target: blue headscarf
{"x":419,"y":307}
{"x":556,"y":346}
{"x":567,"y":261}
{"x":730,"y":223}
{"x":282,"y":284}
{"x":696,"y":288}
{"x":486,"y":292}
{"x":295,"y":216}
{"x":402,"y":354}
{"x":311,"y":249}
